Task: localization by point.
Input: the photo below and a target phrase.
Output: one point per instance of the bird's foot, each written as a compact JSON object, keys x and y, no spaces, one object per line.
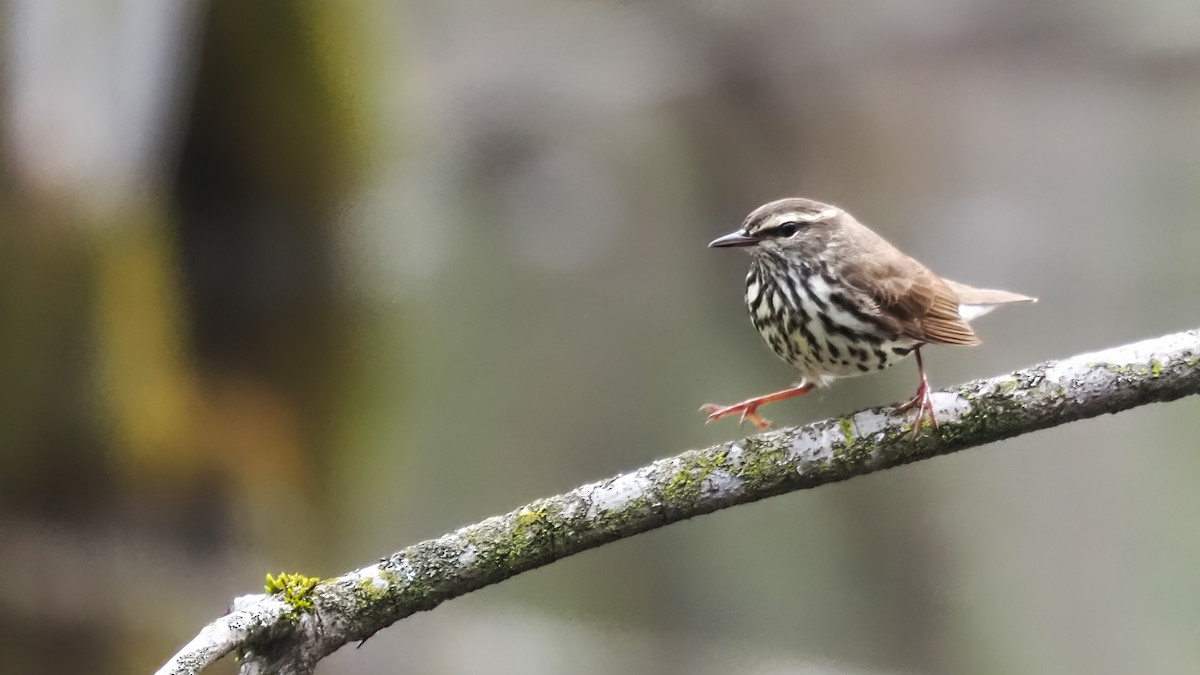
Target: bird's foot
{"x":746,"y":408}
{"x":923,"y":402}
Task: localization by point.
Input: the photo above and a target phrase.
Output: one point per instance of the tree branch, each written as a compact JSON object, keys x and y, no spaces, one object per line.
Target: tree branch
{"x":274,"y":634}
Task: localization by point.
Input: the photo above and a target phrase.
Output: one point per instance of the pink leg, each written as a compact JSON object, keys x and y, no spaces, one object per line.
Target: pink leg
{"x":923,"y":402}
{"x":748,"y":407}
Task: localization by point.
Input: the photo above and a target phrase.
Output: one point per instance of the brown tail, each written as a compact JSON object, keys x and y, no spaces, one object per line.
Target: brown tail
{"x":968,"y":295}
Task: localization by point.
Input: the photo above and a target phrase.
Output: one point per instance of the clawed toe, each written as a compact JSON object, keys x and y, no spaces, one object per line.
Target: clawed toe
{"x":716,"y":412}
{"x":923,"y":402}
{"x":749,"y":407}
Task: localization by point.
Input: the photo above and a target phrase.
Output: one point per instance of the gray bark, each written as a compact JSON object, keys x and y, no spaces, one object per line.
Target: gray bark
{"x":272,"y":635}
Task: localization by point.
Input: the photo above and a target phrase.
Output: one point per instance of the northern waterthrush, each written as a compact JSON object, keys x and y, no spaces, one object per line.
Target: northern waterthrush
{"x":834,"y":299}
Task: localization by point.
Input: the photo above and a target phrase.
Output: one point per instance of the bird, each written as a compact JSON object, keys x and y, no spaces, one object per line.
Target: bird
{"x":834,"y":299}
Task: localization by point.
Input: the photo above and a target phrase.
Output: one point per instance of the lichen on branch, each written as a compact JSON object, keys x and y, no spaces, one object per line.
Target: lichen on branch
{"x":303,"y":621}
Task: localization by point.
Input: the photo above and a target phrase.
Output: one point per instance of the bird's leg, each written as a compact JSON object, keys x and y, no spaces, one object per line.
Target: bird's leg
{"x":923,"y":402}
{"x":748,"y":407}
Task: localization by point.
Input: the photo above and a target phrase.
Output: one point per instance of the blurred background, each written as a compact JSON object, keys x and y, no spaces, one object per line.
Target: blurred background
{"x":291,"y":285}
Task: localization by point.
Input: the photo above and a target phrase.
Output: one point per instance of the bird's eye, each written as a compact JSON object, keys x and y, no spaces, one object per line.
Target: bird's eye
{"x":788,"y":229}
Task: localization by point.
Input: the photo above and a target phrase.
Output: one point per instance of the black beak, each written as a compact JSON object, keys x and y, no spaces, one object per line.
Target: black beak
{"x":738,"y":238}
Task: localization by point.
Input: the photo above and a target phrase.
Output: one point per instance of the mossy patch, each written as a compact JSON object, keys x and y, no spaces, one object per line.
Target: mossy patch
{"x":1008,"y":386}
{"x":634,"y":510}
{"x":1156,"y":368}
{"x":373,"y":590}
{"x":296,"y":590}
{"x":761,"y":464}
{"x":686,"y":483}
{"x":850,"y":450}
{"x":532,"y":532}
{"x":847,"y":425}
{"x":1130,"y":372}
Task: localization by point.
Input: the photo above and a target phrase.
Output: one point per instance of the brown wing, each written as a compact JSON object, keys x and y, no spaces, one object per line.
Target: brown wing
{"x":916,"y":302}
{"x":924,"y":306}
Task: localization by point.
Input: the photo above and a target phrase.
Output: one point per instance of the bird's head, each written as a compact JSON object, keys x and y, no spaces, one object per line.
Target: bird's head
{"x":795,"y":224}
